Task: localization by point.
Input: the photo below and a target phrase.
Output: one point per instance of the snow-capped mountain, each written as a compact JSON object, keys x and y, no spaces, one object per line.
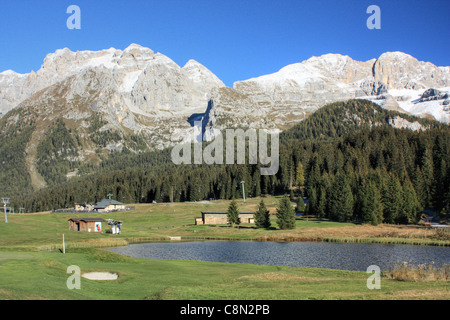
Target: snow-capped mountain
{"x":395,"y":81}
{"x":134,"y":89}
{"x":129,"y":70}
{"x":137,"y":90}
{"x":79,"y":106}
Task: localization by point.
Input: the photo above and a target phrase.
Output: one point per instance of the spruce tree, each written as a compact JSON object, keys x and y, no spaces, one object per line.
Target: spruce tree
{"x":428,"y":175}
{"x":300,"y":205}
{"x":371,"y":206}
{"x":291,"y":195}
{"x":300,"y":176}
{"x":285,"y":214}
{"x":233,"y":214}
{"x":262,"y":216}
{"x":321,"y":204}
{"x":411,"y":205}
{"x":340,"y":199}
{"x":419,"y":186}
{"x":392,"y":200}
{"x":257,"y":182}
{"x":347,"y":203}
{"x":312,"y":201}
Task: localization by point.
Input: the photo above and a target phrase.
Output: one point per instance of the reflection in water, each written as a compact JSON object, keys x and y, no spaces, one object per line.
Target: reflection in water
{"x":344,"y":256}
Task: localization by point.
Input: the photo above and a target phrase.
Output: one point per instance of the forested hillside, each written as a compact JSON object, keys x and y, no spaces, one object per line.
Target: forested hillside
{"x":14,"y":173}
{"x":345,"y":158}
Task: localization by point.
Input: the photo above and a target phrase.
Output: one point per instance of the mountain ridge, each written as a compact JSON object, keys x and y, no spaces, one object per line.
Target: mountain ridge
{"x":134,"y":100}
{"x":135,"y":57}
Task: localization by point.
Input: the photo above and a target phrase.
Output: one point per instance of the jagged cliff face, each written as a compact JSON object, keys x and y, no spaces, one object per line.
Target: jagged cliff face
{"x":134,"y":90}
{"x":137,"y":99}
{"x":297,"y":90}
{"x":291,"y":94}
{"x":145,"y":93}
{"x":150,"y":81}
{"x":397,"y":70}
{"x":108,"y":100}
{"x":333,"y":75}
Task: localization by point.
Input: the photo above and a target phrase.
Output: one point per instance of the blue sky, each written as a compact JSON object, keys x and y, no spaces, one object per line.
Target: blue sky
{"x":235,"y":39}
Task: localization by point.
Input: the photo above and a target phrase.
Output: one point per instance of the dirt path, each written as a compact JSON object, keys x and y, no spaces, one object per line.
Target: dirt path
{"x":37,"y":181}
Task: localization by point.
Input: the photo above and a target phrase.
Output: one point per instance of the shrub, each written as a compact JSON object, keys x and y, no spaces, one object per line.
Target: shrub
{"x":423,"y":272}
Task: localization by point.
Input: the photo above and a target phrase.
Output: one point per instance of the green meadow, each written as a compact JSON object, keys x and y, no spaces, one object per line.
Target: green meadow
{"x":32,"y":265}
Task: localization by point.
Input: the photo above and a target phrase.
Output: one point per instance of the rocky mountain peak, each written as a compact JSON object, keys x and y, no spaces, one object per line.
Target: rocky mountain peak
{"x":396,"y":55}
{"x":302,"y":88}
{"x":140,"y":91}
{"x":398,"y":70}
{"x":65,"y":53}
{"x":136,"y":51}
{"x":200,"y":74}
{"x":138,"y":99}
{"x":10,"y":74}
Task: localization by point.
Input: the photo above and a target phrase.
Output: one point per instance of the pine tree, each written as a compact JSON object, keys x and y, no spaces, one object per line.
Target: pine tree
{"x":195,"y":186}
{"x":371,"y":207}
{"x":291,"y":195}
{"x":300,"y":176}
{"x":285,"y":214}
{"x":311,"y":209}
{"x":419,"y":186}
{"x":262,"y":216}
{"x":321,"y":204}
{"x":300,"y":205}
{"x":411,"y":205}
{"x":257,"y":182}
{"x":233,"y":214}
{"x":428,"y":175}
{"x":340,"y":199}
{"x":347,"y":204}
{"x":440,"y":185}
{"x":392,"y":200}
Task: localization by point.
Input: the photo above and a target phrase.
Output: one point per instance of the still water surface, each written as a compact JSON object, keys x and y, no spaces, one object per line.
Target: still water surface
{"x":343,"y":256}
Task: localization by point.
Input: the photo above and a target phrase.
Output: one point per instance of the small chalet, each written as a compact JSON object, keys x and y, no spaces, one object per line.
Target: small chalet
{"x":109,"y":205}
{"x":221,"y":217}
{"x":86,"y":224}
{"x":104,"y":206}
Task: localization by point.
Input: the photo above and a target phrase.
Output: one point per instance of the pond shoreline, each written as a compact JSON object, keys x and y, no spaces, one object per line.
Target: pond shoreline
{"x":121,"y":242}
{"x":342,"y":256}
{"x":403,"y":241}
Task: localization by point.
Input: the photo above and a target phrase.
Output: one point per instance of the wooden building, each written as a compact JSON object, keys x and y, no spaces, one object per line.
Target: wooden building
{"x":109,"y":205}
{"x":220,"y":217}
{"x":104,"y":206}
{"x":86,"y":224}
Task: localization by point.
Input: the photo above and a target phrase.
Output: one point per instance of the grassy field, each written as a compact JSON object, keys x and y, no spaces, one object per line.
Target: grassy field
{"x":43,"y":276}
{"x":161,"y":221}
{"x":32,"y":267}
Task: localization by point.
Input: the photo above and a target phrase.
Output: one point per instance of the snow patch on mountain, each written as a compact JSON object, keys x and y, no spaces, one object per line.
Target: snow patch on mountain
{"x":129,"y":81}
{"x":147,"y":93}
{"x":410,"y":100}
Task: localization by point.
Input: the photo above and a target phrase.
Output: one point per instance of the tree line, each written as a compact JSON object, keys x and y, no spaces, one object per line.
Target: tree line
{"x":349,"y":168}
{"x":285,"y":215}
